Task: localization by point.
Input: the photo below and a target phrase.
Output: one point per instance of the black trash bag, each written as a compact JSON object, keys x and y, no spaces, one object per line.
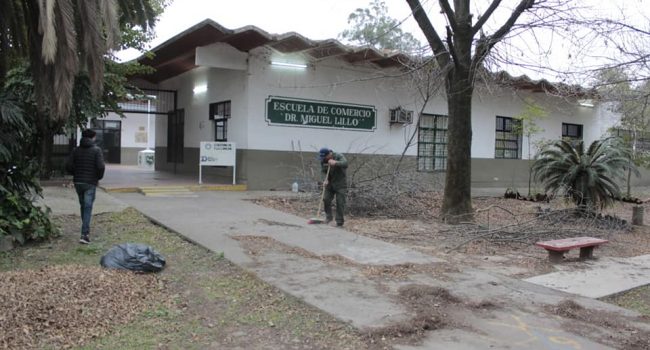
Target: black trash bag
{"x":133,"y":256}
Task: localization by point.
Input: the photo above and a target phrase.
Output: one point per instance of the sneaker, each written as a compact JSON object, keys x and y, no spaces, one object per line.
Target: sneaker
{"x":84,"y":240}
{"x":339,"y":224}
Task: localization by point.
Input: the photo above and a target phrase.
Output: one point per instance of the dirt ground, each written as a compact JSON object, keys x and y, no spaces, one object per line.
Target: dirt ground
{"x":517,"y":225}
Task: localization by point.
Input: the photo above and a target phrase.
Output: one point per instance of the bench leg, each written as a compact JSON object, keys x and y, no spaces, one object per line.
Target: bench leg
{"x":586,"y":252}
{"x":555,"y":257}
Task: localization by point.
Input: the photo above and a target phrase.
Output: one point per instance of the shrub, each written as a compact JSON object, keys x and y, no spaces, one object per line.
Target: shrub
{"x":19,"y":217}
{"x":588,"y":177}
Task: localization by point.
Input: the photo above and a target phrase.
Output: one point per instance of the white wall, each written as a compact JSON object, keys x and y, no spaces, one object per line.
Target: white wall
{"x":134,"y":129}
{"x":222,"y":85}
{"x":333,"y":81}
{"x":511,"y":103}
{"x":336,"y":81}
{"x":607,"y":118}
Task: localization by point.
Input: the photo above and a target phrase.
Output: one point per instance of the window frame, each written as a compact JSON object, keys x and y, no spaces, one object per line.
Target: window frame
{"x":435,"y":158}
{"x":507,"y":129}
{"x":566,"y":135}
{"x":220,"y":112}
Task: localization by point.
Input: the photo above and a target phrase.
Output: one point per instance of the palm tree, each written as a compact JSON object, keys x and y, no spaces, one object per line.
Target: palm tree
{"x":588,"y":178}
{"x":61,"y":38}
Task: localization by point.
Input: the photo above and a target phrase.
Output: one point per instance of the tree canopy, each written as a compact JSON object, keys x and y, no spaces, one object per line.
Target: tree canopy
{"x":373,"y":26}
{"x":62,"y":38}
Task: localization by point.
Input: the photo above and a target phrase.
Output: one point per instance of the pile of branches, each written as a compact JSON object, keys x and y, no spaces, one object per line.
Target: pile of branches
{"x":377,"y":187}
{"x":399,"y":195}
{"x":545,"y":224}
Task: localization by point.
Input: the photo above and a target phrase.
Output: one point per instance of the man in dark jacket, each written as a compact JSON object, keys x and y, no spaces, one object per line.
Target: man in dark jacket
{"x":86,"y":164}
{"x":335,"y":183}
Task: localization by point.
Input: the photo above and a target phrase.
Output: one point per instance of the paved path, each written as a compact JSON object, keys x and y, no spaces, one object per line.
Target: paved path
{"x":325,"y":267}
{"x":621,"y":274}
{"x":213,"y":219}
{"x":63,"y":201}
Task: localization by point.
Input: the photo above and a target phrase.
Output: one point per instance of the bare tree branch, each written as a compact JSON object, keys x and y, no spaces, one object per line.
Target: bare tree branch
{"x":451,"y":16}
{"x":486,"y":15}
{"x":439,"y":49}
{"x":484,"y":46}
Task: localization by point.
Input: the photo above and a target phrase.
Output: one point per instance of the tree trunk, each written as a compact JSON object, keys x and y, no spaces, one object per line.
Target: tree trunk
{"x":530,"y":179}
{"x":457,"y":199}
{"x":637,"y":215}
{"x":629,"y":186}
{"x":530,"y":167}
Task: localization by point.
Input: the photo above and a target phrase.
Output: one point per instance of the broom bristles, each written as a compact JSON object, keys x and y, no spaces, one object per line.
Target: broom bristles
{"x":315,"y":221}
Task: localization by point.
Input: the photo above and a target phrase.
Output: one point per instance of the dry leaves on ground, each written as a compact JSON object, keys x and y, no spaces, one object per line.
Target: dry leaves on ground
{"x":516,"y":224}
{"x":65,"y":306}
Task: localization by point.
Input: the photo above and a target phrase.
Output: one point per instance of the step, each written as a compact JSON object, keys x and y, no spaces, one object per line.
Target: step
{"x":167,"y":191}
{"x":172,"y":194}
{"x":163,"y":188}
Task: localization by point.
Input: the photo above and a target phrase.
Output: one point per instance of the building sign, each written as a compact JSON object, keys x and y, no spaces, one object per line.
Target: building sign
{"x":287,"y":111}
{"x":217,"y":154}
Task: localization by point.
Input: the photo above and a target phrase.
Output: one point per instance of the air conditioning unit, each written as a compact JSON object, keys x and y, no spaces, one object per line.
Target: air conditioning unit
{"x":401,"y":116}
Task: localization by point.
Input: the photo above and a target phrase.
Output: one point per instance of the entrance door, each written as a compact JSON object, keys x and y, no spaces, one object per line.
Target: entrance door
{"x":175,"y":136}
{"x":109,"y":139}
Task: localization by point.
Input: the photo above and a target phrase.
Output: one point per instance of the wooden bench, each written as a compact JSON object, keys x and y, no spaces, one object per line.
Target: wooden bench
{"x":558,"y":247}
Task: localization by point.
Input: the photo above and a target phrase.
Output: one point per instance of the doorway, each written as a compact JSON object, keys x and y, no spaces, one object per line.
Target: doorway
{"x":175,"y":136}
{"x":109,"y":139}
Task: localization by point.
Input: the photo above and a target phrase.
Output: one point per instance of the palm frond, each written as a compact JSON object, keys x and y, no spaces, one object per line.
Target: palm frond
{"x":93,"y":45}
{"x":47,"y":28}
{"x":56,"y":35}
{"x":109,"y":14}
{"x":589,"y":178}
{"x":66,"y":64}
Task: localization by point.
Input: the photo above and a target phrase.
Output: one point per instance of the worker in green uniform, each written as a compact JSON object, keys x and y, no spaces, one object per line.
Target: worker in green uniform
{"x":335,"y":183}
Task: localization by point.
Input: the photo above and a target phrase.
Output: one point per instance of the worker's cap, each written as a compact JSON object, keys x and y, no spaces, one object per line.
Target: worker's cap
{"x":323,"y":153}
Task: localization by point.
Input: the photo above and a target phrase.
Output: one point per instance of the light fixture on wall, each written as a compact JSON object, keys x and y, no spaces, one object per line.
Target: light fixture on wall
{"x":586,"y":103}
{"x":199,"y":89}
{"x":289,"y":65}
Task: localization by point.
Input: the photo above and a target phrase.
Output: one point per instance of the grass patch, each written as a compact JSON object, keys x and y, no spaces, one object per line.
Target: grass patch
{"x":637,"y":299}
{"x":206,"y":302}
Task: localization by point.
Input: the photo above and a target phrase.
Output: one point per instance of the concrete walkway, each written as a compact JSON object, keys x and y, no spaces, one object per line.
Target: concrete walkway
{"x":621,"y":274}
{"x":214,"y":220}
{"x":327,"y":268}
{"x":63,"y":200}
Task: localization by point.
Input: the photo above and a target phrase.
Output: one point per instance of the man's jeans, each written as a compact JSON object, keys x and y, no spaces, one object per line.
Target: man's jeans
{"x":86,"y":193}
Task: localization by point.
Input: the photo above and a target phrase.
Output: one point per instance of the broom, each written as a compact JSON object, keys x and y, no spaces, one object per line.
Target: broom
{"x":317,"y":220}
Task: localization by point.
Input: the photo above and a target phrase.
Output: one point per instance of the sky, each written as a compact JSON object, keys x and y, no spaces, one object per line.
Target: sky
{"x":325,"y":19}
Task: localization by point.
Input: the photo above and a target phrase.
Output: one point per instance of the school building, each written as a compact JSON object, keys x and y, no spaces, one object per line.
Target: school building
{"x":277,"y":96}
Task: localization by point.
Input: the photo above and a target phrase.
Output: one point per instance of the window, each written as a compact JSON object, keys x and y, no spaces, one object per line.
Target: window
{"x":508,"y":139}
{"x":572,"y":131}
{"x":109,"y":135}
{"x":220,"y":113}
{"x":432,"y":142}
